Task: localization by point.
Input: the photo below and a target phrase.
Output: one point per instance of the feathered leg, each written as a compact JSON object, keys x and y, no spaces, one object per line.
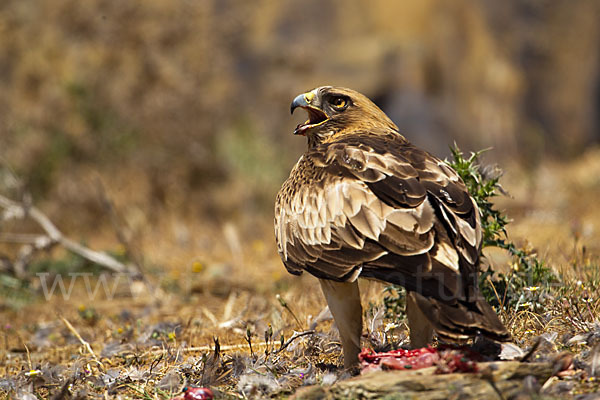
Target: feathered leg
{"x":421,"y":330}
{"x":343,"y":299}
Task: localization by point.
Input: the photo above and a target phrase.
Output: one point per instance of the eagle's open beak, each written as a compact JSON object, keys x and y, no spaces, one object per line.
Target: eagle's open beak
{"x":316,"y":116}
{"x":299,"y":101}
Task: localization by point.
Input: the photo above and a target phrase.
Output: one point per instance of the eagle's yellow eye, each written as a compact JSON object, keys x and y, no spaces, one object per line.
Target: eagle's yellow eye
{"x":339,"y":102}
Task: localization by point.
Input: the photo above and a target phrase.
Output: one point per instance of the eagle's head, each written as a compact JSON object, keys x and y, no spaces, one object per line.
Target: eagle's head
{"x":333,"y":111}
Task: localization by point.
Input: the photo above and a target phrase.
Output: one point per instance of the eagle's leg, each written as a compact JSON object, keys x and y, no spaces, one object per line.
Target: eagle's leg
{"x":421,"y":330}
{"x":343,"y":299}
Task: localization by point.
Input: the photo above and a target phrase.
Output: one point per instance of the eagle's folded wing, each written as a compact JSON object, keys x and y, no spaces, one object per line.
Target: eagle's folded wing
{"x":380,"y":208}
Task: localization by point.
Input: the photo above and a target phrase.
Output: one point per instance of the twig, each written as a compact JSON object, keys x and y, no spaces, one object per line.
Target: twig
{"x":22,"y":238}
{"x":199,"y":349}
{"x":501,"y":302}
{"x":285,"y":305}
{"x":17,"y":210}
{"x":229,"y":306}
{"x":28,"y":355}
{"x":83,"y":342}
{"x":210,"y":315}
{"x":230,"y":347}
{"x":290,"y":340}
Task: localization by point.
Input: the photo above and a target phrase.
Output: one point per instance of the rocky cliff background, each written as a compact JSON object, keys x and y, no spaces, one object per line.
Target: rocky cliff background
{"x":175,"y":105}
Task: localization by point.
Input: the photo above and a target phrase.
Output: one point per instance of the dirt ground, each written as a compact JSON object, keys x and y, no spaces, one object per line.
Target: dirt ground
{"x":224,"y":282}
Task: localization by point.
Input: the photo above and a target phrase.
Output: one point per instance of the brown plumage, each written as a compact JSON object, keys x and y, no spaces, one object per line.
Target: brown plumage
{"x":364,"y":202}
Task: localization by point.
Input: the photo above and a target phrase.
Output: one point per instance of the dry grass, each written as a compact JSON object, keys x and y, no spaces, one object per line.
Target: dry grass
{"x":222,"y":281}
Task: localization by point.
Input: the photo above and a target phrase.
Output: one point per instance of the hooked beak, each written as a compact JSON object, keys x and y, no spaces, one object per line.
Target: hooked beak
{"x":299,"y":101}
{"x":316,"y":116}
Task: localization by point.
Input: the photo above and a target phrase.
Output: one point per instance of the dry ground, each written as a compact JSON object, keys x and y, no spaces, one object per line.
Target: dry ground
{"x":222,"y":281}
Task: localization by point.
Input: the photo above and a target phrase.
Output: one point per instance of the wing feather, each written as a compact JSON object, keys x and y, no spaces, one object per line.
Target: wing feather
{"x":365,"y":202}
{"x":367,"y":223}
{"x":380,"y":207}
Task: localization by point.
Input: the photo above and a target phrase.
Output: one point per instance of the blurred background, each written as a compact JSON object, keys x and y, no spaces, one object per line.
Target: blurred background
{"x":180,"y":108}
{"x":158,"y":131}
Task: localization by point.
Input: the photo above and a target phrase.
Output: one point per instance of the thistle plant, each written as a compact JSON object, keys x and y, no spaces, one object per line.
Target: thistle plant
{"x":529,"y":279}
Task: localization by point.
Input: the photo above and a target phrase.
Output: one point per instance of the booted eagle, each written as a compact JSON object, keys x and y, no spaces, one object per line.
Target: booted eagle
{"x":364,"y":202}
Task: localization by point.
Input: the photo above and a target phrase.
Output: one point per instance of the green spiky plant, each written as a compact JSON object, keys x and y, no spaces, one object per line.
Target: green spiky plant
{"x":529,"y":279}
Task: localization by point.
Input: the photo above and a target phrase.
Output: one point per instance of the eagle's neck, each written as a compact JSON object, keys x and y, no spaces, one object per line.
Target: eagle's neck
{"x":313,"y":141}
{"x":316,"y":138}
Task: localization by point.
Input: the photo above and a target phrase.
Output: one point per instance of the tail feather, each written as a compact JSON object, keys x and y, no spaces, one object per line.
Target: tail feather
{"x":460,"y":321}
